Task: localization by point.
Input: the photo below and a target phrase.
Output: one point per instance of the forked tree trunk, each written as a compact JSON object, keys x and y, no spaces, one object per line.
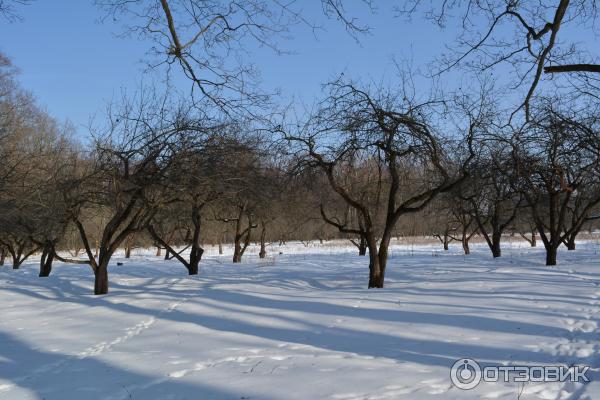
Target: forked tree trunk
{"x":377,"y":261}
{"x":361,"y":245}
{"x":238,"y":247}
{"x":237,"y":251}
{"x":17,"y":255}
{"x":532,"y":241}
{"x":465,"y":245}
{"x":570,"y":240}
{"x":196,"y":251}
{"x":46,"y":261}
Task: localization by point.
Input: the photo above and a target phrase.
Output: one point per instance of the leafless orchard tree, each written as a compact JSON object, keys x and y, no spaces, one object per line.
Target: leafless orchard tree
{"x":130,"y":161}
{"x":491,"y":194}
{"x":204,"y":171}
{"x":557,"y":159}
{"x":410,"y":164}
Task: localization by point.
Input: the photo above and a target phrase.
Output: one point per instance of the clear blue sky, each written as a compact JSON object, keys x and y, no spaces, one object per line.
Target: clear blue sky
{"x":75,"y":64}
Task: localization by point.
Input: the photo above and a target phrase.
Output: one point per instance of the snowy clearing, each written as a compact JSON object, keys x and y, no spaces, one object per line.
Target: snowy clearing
{"x":300,"y":325}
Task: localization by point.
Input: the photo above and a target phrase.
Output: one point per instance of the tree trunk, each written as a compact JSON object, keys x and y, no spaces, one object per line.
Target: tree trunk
{"x":237,"y":250}
{"x":446,"y":242}
{"x":465,"y":244}
{"x":263,"y":251}
{"x":377,"y":261}
{"x":195,"y":257}
{"x":46,"y":262}
{"x":101,"y":278}
{"x":16,"y":259}
{"x":2,"y":255}
{"x":551,"y":255}
{"x":158,"y":251}
{"x":496,"y":250}
{"x":263,"y":248}
{"x":129,"y":242}
{"x":533,"y":242}
{"x":220,"y":247}
{"x":570,"y":239}
{"x":362,"y":246}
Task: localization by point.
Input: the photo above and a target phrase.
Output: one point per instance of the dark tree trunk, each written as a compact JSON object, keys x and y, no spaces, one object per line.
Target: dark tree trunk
{"x":496,"y":250}
{"x":46,"y":262}
{"x":237,"y":250}
{"x":362,"y":246}
{"x":377,"y":261}
{"x":263,"y":251}
{"x":220,"y":247}
{"x":197,"y":251}
{"x":2,"y":255}
{"x":551,"y":255}
{"x":195,"y":257}
{"x":241,"y":234}
{"x":569,"y":240}
{"x":17,"y":257}
{"x":101,"y":277}
{"x":263,"y":247}
{"x":465,"y":245}
{"x":127,"y":252}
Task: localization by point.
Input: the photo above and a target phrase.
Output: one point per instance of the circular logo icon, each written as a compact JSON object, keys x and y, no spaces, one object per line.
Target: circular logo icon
{"x":465,"y":374}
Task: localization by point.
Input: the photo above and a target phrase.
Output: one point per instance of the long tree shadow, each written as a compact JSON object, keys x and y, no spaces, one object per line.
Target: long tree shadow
{"x":221,"y":309}
{"x":35,"y":374}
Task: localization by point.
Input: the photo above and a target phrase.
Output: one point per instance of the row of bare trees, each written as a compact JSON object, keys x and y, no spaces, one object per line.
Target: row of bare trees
{"x":172,"y":173}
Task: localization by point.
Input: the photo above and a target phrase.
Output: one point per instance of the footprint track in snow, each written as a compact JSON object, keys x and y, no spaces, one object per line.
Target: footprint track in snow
{"x":95,"y":350}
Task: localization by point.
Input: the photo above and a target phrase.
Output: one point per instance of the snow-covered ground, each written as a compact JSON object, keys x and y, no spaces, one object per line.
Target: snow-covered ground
{"x":300,"y":325}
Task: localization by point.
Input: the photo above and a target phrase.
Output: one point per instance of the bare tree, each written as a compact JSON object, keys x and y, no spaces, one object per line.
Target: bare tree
{"x":411,"y":166}
{"x":130,"y":161}
{"x":557,"y":158}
